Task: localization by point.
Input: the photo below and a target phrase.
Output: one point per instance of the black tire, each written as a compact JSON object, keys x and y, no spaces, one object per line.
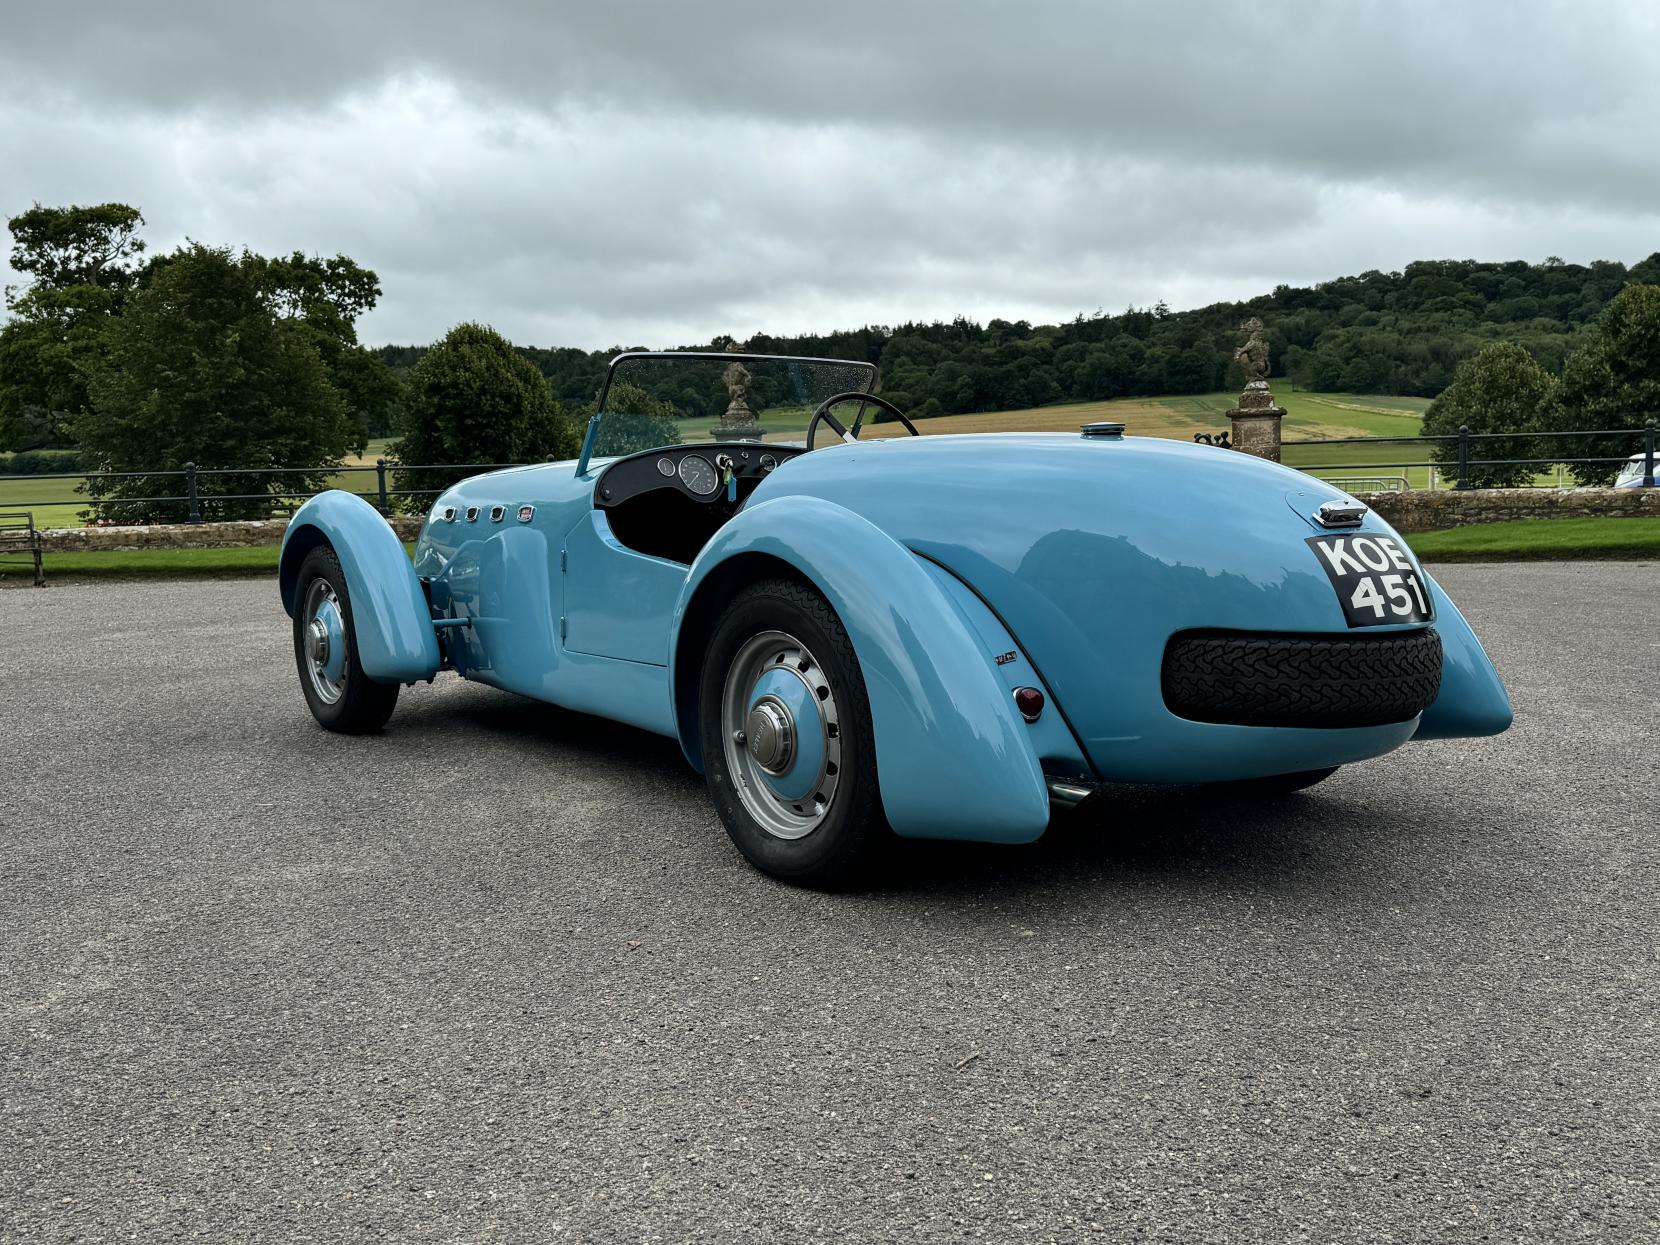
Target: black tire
{"x":1276,"y":785}
{"x":363,"y":705}
{"x":841,"y":847}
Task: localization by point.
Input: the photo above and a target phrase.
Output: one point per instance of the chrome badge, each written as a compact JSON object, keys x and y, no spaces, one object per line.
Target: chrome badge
{"x":526,"y":513}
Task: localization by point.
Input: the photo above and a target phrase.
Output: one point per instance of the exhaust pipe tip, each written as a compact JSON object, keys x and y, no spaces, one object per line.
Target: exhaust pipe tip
{"x":1068,"y":792}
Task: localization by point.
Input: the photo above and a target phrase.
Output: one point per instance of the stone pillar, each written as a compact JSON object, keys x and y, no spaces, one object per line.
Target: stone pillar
{"x":1256,"y":422}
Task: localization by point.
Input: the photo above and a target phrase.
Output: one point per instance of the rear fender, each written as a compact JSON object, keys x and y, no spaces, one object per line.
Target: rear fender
{"x":396,"y":642}
{"x":952,"y":752}
{"x":1471,"y":701}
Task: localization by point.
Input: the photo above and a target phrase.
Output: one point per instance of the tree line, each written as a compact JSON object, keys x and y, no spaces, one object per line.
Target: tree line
{"x":229,"y":359}
{"x":1380,"y":332}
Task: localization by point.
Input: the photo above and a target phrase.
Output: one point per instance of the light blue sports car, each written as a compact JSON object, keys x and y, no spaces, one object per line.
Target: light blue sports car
{"x":933,"y":636}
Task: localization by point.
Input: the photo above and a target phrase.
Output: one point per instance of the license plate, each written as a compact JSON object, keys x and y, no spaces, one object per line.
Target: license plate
{"x":1374,"y":578}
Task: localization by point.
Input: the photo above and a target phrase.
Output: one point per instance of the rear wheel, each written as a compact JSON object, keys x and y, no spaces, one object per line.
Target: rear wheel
{"x":788,"y":750}
{"x":342,"y":698}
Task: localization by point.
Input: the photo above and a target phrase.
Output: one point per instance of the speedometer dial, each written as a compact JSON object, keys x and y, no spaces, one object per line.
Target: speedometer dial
{"x":697,"y":475}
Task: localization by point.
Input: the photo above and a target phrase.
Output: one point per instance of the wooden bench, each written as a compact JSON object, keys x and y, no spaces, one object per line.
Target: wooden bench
{"x":20,"y":539}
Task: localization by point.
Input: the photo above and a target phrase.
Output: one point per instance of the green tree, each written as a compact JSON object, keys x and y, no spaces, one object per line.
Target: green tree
{"x":63,"y":247}
{"x":1500,"y":389}
{"x":635,"y":421}
{"x":473,"y":399}
{"x":324,"y":298}
{"x":1613,"y":381}
{"x":81,"y":262}
{"x":200,"y":368}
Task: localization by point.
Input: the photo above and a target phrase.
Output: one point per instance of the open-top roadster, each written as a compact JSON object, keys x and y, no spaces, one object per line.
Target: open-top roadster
{"x":944,"y":636}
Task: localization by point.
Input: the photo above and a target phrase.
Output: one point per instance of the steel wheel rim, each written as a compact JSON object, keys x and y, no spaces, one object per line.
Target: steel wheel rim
{"x":774,"y":658}
{"x":323,"y":641}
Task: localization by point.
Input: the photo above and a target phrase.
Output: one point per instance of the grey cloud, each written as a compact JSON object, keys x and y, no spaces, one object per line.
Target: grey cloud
{"x":623,"y":172}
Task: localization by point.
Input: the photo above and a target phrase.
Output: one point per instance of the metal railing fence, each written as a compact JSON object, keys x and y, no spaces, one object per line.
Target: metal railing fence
{"x":391,"y":480}
{"x":385,"y":486}
{"x":1465,"y":463}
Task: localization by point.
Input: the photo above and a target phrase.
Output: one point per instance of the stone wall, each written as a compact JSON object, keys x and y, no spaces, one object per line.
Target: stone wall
{"x":242,"y":534}
{"x":1412,"y":511}
{"x":1420,"y":511}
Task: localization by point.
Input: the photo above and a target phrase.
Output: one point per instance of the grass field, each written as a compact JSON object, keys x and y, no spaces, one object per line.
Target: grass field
{"x":28,"y":493}
{"x":46,"y":498}
{"x":375,"y":449}
{"x":1309,"y":416}
{"x":1528,"y":539}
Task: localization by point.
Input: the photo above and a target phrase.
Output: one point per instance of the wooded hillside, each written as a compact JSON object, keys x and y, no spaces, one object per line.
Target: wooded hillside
{"x":1379,"y":332}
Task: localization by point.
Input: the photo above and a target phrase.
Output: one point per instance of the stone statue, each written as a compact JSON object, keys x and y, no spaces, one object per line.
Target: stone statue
{"x":736,"y":378}
{"x":1256,"y":419}
{"x":739,"y":421}
{"x":1252,"y":357}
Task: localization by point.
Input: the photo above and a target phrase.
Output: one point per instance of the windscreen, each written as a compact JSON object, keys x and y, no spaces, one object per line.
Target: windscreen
{"x":674,"y":399}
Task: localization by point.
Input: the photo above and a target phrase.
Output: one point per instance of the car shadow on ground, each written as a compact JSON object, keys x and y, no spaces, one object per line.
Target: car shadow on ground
{"x":561,"y":735}
{"x":1190,"y":837}
{"x":1132,"y":835}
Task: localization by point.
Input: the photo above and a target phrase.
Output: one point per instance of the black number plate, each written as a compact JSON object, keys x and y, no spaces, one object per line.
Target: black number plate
{"x":1375,"y":581}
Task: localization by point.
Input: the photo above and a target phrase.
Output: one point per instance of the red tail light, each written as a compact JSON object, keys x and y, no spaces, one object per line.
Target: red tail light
{"x":1029,"y":701}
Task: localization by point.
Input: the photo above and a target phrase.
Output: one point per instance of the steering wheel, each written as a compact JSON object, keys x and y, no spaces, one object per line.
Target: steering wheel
{"x":851,"y":435}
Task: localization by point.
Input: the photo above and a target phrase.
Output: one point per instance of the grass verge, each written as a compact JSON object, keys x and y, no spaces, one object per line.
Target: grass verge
{"x":1523,"y":540}
{"x":1541,"y":540}
{"x":161,"y":563}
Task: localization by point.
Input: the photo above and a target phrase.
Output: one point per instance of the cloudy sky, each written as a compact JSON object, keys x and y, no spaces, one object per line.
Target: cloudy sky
{"x":653,"y":174}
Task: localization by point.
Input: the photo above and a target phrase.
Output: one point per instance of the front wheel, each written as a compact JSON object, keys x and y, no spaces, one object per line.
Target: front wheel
{"x":342,"y":698}
{"x":788,"y":750}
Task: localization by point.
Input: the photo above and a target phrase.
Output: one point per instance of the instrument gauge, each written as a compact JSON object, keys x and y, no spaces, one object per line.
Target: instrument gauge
{"x":697,"y":475}
{"x":665,"y":466}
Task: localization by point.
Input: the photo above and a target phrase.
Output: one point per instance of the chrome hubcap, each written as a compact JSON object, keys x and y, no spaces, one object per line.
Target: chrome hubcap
{"x":324,"y":641}
{"x":782,"y":734}
{"x":317,"y":641}
{"x":771,"y":735}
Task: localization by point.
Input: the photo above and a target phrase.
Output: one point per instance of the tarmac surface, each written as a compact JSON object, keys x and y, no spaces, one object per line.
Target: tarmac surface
{"x":497,"y":974}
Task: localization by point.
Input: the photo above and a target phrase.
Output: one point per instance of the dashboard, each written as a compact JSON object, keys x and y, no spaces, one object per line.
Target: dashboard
{"x":695,"y":471}
{"x":669,"y":502}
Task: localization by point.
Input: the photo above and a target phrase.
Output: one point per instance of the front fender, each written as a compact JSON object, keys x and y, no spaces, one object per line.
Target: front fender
{"x":951,"y":749}
{"x":1471,"y":701}
{"x":396,"y":642}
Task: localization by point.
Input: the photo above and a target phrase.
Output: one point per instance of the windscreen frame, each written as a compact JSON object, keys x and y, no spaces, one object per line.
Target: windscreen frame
{"x":703,"y":356}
